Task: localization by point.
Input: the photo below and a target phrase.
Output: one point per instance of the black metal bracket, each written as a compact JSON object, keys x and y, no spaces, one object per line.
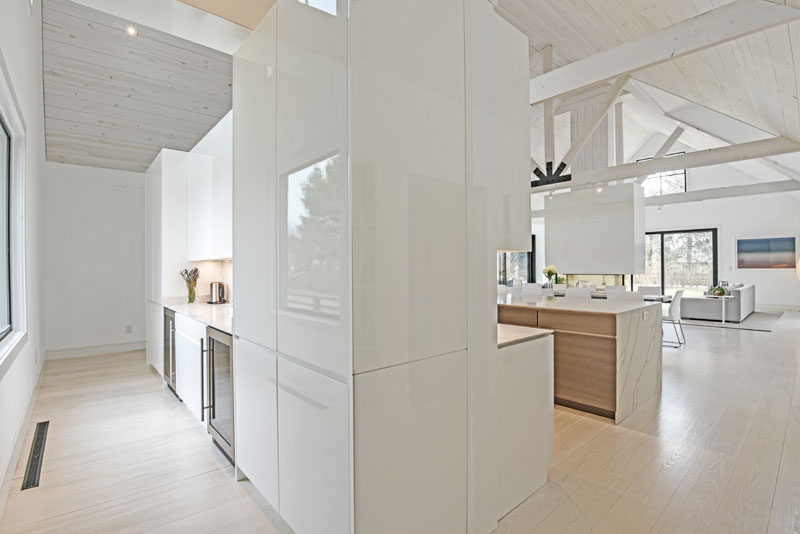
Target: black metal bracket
{"x":549,"y":177}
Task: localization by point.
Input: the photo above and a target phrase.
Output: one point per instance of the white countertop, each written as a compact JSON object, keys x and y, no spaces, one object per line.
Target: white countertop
{"x":219,"y":316}
{"x":509,"y":334}
{"x":590,"y":306}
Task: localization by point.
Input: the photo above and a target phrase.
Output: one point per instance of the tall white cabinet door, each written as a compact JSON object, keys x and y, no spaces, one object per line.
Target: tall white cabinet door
{"x":255,"y":375}
{"x":254,"y":185}
{"x":313,"y":234}
{"x":314,"y":460}
{"x":408,"y":180}
{"x":189,"y":368}
{"x":410,"y":447}
{"x":202,"y":207}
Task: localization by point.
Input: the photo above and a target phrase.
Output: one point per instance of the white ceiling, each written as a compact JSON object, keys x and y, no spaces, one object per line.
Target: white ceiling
{"x":113,"y":101}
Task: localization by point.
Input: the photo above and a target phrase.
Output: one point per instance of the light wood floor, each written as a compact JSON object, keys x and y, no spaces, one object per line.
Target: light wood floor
{"x":718,"y":452}
{"x":123,"y":455}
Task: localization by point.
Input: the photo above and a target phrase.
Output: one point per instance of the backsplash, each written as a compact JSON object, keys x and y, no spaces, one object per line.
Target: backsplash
{"x":213,"y":271}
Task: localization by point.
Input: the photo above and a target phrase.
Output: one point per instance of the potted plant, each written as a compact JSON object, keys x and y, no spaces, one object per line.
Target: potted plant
{"x":718,"y":291}
{"x":190,"y":276}
{"x":551,"y":273}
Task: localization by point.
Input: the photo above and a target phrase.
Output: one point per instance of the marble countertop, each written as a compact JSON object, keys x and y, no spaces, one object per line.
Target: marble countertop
{"x":219,"y":316}
{"x":578,"y":305}
{"x":508,"y":334}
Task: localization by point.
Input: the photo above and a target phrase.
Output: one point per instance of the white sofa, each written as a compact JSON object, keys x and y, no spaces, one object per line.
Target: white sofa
{"x":737,"y":309}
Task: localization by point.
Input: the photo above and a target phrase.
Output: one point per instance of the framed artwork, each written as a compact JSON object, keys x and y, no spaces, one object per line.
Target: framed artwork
{"x":766,"y":253}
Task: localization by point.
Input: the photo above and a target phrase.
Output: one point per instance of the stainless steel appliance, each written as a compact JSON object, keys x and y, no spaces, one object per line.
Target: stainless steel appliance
{"x":169,"y":348}
{"x":217,"y":293}
{"x":219,"y":389}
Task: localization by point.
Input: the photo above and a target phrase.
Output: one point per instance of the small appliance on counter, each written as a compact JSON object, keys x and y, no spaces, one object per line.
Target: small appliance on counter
{"x":217,"y":293}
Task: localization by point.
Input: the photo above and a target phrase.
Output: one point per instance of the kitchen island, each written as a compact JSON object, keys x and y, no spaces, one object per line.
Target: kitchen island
{"x":608,"y":358}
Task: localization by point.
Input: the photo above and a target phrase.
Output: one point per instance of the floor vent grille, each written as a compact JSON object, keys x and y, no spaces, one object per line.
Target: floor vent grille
{"x":34,"y":468}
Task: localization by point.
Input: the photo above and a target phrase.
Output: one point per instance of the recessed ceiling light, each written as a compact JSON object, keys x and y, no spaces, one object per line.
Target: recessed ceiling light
{"x":131,"y":30}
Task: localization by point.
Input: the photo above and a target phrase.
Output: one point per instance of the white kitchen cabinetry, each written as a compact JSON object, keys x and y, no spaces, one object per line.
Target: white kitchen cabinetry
{"x":255,"y":375}
{"x":314,"y":437}
{"x":189,"y":367}
{"x":154,"y":324}
{"x":210,"y":194}
{"x":410,"y":425}
{"x":254,"y":190}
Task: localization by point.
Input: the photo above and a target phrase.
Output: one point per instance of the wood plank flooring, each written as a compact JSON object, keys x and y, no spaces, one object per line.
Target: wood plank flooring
{"x":123,"y":455}
{"x":719,"y":451}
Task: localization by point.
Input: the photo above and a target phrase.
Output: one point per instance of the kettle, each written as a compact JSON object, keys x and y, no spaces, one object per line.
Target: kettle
{"x":217,"y":293}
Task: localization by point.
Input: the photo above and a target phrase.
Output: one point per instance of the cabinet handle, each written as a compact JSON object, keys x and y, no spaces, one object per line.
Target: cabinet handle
{"x":207,"y":372}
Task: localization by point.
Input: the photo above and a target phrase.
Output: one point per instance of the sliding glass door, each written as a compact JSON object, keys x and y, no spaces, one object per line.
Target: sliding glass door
{"x":681,"y":259}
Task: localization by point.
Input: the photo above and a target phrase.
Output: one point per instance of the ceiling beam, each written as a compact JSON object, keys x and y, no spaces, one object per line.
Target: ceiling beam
{"x":587,"y":132}
{"x":619,"y":137}
{"x":724,"y":192}
{"x":717,"y":26}
{"x":673,"y":137}
{"x":699,"y":158}
{"x":549,"y":117}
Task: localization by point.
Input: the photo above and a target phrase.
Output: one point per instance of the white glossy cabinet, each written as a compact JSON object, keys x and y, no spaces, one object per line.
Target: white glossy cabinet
{"x":255,"y":375}
{"x":314,"y":437}
{"x":312,"y":158}
{"x":524,"y":415}
{"x":410,"y":453}
{"x":254,"y":187}
{"x":210,"y":194}
{"x":189,"y":362}
{"x":408,"y":180}
{"x":154,"y":324}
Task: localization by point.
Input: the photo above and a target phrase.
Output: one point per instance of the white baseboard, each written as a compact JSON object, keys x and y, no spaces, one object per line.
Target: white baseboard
{"x":19,"y":441}
{"x":778,"y":307}
{"x":80,"y":352}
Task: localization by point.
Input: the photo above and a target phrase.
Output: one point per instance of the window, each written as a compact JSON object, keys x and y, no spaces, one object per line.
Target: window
{"x":516,"y":268}
{"x":664,"y":183}
{"x":5,"y":226}
{"x":328,"y":6}
{"x":680,"y":259}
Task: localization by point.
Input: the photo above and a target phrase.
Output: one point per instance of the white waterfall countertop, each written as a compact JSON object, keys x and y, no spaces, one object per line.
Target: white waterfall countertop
{"x":579,"y":305}
{"x":508,"y":334}
{"x":219,"y":316}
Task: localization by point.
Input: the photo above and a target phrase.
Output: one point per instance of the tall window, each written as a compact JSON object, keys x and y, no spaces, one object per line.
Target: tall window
{"x":681,"y":259}
{"x":5,"y":237}
{"x":664,"y":183}
{"x":514,"y":268}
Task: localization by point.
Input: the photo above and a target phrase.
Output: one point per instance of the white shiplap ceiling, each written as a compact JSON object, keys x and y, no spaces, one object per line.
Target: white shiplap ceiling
{"x":113,"y":100}
{"x":753,"y":79}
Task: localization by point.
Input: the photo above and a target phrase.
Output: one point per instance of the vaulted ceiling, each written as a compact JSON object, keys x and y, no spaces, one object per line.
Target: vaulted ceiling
{"x":753,"y":79}
{"x":114,"y":100}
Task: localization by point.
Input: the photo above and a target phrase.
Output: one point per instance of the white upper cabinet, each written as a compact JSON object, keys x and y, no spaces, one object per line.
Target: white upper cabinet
{"x":210,"y":194}
{"x":254,"y":188}
{"x":408,"y":180}
{"x":312,"y":127}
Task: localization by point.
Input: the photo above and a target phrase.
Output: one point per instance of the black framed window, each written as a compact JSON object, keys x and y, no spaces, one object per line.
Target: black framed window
{"x":680,"y":259}
{"x":517,"y":266}
{"x":5,"y":230}
{"x":664,"y":183}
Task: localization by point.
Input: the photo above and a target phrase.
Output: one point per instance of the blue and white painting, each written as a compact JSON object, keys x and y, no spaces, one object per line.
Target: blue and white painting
{"x":768,"y":253}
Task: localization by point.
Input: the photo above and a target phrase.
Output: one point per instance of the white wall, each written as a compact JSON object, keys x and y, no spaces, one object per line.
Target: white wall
{"x":775,"y":215}
{"x":21,"y":50}
{"x":94,"y":245}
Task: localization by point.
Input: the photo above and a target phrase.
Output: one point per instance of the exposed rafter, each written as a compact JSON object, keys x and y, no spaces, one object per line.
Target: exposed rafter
{"x":717,"y":26}
{"x":662,"y":151}
{"x":724,"y":192}
{"x":619,"y":138}
{"x":699,"y":158}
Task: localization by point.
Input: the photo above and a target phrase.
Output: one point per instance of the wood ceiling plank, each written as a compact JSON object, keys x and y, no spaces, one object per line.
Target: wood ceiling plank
{"x":91,"y":34}
{"x":780,"y":51}
{"x":204,"y":92}
{"x":143,"y":32}
{"x":143,"y":96}
{"x":194,"y":120}
{"x":138,"y":136}
{"x":59,"y":37}
{"x":734,"y":20}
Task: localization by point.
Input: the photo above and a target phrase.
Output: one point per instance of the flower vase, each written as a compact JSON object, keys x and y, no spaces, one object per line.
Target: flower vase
{"x":192,"y":288}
